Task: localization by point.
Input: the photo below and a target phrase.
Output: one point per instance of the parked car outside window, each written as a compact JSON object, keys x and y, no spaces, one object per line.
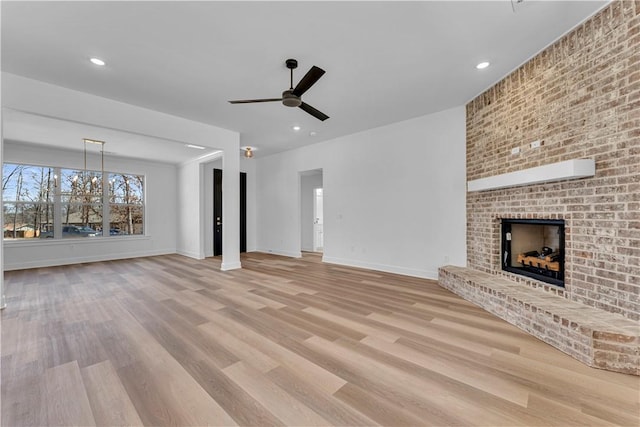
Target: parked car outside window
{"x":69,"y":231}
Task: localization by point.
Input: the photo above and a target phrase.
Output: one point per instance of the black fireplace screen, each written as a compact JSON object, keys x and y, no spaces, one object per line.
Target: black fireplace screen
{"x":534,"y":248}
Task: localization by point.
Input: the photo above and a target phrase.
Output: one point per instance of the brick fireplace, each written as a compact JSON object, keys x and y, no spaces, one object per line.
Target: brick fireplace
{"x":578,"y":99}
{"x":495,"y":265}
{"x":533,"y":248}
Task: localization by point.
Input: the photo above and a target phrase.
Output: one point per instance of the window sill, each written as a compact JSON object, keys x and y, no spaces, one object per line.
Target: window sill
{"x":78,"y":240}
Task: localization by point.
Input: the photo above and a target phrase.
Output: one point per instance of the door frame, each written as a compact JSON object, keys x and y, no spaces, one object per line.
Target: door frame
{"x":305,"y":214}
{"x":316,"y":247}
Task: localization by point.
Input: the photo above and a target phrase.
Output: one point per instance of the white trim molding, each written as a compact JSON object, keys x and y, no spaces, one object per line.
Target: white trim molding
{"x":405,"y":271}
{"x":569,"y":169}
{"x":291,"y":254}
{"x":226,"y":266}
{"x":43,"y":263}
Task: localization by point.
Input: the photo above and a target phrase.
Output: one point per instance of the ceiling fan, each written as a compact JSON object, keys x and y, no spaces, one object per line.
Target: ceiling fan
{"x":292,"y":96}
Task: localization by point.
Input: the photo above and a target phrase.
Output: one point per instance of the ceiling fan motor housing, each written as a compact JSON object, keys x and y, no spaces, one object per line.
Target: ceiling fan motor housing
{"x":290,"y":100}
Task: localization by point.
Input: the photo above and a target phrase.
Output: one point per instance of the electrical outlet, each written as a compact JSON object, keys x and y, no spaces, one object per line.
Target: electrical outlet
{"x":515,"y":150}
{"x":536,"y":144}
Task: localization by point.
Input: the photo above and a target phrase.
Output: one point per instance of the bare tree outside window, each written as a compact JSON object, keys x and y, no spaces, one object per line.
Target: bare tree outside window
{"x":27,"y":194}
{"x":81,"y":197}
{"x":126,"y":204}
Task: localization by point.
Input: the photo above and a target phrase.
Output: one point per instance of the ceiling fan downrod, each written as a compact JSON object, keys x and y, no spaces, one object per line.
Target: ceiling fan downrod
{"x":292,"y":64}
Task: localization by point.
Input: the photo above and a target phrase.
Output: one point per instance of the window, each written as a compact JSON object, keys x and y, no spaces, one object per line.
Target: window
{"x":126,"y":204}
{"x":27,"y":196}
{"x":39,"y":200}
{"x":81,"y":199}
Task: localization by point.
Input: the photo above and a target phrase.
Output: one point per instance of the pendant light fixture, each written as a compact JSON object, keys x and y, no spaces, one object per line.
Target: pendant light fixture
{"x":247,"y":151}
{"x":94,"y":179}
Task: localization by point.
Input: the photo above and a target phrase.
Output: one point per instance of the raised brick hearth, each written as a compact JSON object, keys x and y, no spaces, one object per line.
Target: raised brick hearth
{"x":581,"y":98}
{"x":593,"y":336}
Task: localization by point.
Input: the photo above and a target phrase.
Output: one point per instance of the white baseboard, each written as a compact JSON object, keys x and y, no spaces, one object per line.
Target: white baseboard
{"x":79,"y":260}
{"x":189,"y":254}
{"x":413,"y":272}
{"x":226,"y":266}
{"x":282,"y":253}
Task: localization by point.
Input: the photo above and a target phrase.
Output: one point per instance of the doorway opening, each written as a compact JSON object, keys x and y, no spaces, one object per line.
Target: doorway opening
{"x":311,"y":211}
{"x":318,"y":221}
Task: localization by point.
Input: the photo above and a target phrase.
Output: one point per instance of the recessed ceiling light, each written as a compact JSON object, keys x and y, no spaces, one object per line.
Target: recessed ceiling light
{"x":313,"y":133}
{"x":482,"y":65}
{"x":197,"y":147}
{"x":296,"y":128}
{"x":97,"y":61}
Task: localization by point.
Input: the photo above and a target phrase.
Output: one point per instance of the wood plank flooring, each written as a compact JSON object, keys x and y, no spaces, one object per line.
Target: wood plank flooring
{"x":170,"y":340}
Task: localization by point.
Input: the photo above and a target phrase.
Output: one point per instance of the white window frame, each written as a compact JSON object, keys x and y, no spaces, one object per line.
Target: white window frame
{"x":105,"y":200}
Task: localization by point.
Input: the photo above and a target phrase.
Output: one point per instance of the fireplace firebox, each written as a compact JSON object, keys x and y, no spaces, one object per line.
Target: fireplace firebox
{"x":534,"y":248}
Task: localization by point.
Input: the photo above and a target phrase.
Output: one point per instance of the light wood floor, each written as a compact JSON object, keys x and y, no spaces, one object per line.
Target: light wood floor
{"x":173,"y":341}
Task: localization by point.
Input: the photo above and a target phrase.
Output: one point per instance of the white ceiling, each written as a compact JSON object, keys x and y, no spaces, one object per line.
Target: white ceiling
{"x":385,"y":61}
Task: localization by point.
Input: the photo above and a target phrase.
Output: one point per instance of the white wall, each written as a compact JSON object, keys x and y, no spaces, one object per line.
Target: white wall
{"x":2,"y":295}
{"x":394,"y":196}
{"x":247,"y":166}
{"x":37,"y":97}
{"x":160,"y":213}
{"x":307,"y":184}
{"x":190,"y":241}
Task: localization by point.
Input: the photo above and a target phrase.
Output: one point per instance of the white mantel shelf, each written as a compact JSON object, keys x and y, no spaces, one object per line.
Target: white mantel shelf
{"x":570,"y":169}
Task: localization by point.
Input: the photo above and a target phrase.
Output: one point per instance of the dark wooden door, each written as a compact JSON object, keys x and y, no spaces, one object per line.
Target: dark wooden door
{"x":217,"y":212}
{"x":243,"y":212}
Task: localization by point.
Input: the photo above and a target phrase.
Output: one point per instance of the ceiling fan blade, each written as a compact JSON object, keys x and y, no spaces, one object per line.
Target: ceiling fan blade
{"x":249,"y":101}
{"x":308,"y":80}
{"x":315,"y":113}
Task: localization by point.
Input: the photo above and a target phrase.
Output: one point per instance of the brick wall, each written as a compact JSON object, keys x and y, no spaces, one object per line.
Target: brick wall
{"x":581,"y":97}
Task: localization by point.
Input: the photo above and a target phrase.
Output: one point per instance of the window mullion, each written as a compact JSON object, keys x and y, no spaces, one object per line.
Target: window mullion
{"x":57,"y":205}
{"x":106,"y":218}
